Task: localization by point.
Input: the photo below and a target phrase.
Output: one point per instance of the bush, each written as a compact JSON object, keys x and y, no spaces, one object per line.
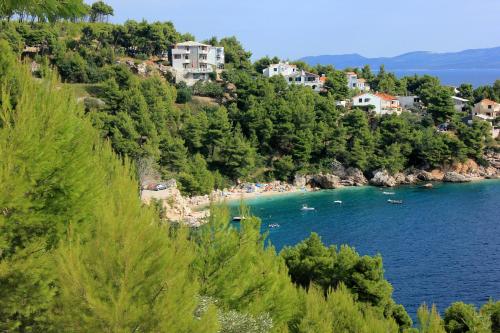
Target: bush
{"x":184,"y":93}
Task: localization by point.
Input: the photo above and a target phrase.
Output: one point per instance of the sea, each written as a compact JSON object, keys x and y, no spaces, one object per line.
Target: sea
{"x":439,"y":246}
{"x":455,"y":77}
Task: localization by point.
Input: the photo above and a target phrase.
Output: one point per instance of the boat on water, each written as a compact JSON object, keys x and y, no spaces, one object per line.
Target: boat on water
{"x":306,"y":208}
{"x":389,"y":193}
{"x":427,"y":186}
{"x":273,"y":225}
{"x":396,"y":202}
{"x":238,"y":218}
{"x":338,"y":201}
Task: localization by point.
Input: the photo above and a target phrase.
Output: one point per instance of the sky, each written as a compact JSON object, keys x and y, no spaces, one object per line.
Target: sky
{"x":291,"y":29}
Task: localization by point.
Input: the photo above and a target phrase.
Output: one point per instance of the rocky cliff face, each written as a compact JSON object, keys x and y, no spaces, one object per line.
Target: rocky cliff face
{"x":338,"y":177}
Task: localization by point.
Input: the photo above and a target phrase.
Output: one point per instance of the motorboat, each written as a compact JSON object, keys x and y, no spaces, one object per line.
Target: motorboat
{"x":306,"y":208}
{"x":273,"y":225}
{"x":388,"y":193}
{"x":396,"y":202}
{"x":338,"y":201}
{"x":238,"y":218}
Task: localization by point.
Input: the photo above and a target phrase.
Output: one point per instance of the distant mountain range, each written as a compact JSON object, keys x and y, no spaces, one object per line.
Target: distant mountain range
{"x":420,"y":60}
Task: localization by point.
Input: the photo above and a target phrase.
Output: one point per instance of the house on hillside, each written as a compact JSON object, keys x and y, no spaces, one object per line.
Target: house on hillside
{"x":307,"y":79}
{"x":282,"y":68}
{"x":193,"y":61}
{"x":486,"y":109}
{"x":354,"y":82}
{"x":459,"y":103}
{"x":380,"y":103}
{"x":293,"y":75}
{"x":409,"y":102}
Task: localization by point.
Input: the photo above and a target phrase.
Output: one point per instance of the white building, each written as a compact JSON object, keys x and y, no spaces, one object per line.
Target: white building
{"x":380,"y":103}
{"x":307,"y":79}
{"x":409,"y":102}
{"x":193,"y":61}
{"x":293,"y":75}
{"x":283,"y":68}
{"x":460,"y":103}
{"x":357,"y":83}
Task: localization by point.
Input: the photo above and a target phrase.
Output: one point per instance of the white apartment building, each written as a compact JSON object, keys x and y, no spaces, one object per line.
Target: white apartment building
{"x":193,"y":61}
{"x":353,"y":82}
{"x":459,"y":103}
{"x":295,"y":76}
{"x":380,"y":103}
{"x":314,"y":81}
{"x":283,"y":68}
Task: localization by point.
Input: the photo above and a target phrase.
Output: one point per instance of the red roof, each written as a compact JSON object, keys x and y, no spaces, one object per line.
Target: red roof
{"x":386,"y":97}
{"x":488,"y":102}
{"x":323,"y":79}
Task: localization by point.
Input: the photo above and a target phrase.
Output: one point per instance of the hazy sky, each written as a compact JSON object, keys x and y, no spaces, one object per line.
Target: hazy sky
{"x":293,"y":28}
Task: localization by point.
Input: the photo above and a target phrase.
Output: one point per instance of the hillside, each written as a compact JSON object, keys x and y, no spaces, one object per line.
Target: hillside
{"x":420,"y":60}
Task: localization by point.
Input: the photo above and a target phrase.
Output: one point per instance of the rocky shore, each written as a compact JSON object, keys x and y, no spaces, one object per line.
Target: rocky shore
{"x":193,"y":211}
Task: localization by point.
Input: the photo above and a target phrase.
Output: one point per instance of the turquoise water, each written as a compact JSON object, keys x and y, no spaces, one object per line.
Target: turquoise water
{"x":440,"y":246}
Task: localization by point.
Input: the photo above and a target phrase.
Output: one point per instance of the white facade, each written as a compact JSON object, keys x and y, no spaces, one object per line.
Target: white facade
{"x":408,"y":102}
{"x":380,"y":103}
{"x":283,"y":68}
{"x":353,"y":82}
{"x":193,"y":61}
{"x":293,"y":75}
{"x":460,"y":104}
{"x":306,"y":79}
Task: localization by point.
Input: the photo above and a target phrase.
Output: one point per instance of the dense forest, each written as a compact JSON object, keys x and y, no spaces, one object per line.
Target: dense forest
{"x":257,"y":128}
{"x":80,"y":253}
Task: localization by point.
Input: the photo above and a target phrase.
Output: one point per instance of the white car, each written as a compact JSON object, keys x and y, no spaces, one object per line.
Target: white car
{"x":160,"y":187}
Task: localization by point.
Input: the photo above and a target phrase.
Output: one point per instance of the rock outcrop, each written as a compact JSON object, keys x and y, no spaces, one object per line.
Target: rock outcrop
{"x":326,"y":181}
{"x":454,"y":177}
{"x":383,"y":178}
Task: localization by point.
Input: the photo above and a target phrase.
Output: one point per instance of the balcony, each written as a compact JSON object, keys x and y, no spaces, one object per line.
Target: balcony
{"x":181,"y":51}
{"x":199,"y":70}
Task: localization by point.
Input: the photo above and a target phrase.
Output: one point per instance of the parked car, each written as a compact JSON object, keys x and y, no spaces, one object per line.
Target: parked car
{"x":160,"y":187}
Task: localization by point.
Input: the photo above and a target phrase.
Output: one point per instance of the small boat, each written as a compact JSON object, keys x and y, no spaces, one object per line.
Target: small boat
{"x":238,"y":218}
{"x":397,"y":202}
{"x":305,"y":208}
{"x":338,"y":201}
{"x":389,"y":193}
{"x":427,"y":186}
{"x":274,"y":225}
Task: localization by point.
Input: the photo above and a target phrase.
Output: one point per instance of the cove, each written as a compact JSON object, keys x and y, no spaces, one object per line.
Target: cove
{"x":440,"y":246}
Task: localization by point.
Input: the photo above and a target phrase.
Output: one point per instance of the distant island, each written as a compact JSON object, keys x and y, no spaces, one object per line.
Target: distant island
{"x":488,"y":58}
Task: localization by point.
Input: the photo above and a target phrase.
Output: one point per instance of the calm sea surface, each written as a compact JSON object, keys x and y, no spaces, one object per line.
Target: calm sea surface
{"x":440,"y":246}
{"x":455,"y":77}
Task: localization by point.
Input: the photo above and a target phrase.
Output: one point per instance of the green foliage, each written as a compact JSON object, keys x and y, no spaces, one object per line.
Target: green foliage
{"x":463,"y":318}
{"x":100,"y":11}
{"x":311,"y":262}
{"x":429,"y":321}
{"x":339,"y":312}
{"x":236,"y":268}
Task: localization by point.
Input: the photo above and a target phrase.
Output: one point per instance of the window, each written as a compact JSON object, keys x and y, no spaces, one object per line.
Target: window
{"x":290,"y":79}
{"x":489,"y":106}
{"x":298,"y":79}
{"x":186,"y":56}
{"x":360,"y":100}
{"x":354,"y":85}
{"x":177,"y":56}
{"x":367,"y":100}
{"x":275,"y":69}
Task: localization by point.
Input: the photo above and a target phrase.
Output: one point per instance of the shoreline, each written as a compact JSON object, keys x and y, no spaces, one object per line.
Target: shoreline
{"x":242,"y":196}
